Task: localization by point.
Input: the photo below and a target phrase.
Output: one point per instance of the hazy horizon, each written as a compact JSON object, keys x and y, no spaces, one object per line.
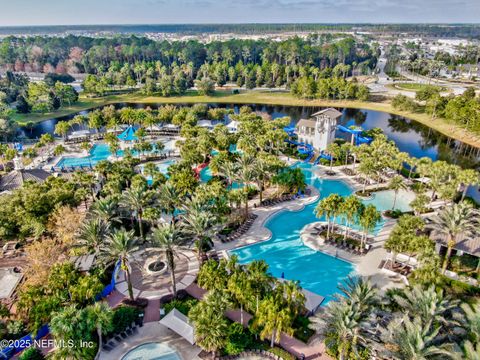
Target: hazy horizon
{"x":153,"y":12}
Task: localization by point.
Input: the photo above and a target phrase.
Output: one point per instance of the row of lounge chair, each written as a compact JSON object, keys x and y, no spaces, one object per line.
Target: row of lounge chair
{"x":272,"y":202}
{"x":351,"y":248}
{"x":242,"y":229}
{"x":112,"y":342}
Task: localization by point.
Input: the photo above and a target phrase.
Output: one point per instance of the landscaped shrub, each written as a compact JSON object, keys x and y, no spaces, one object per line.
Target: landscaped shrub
{"x":302,"y":330}
{"x":239,"y":339}
{"x":183,"y":305}
{"x":123,"y":317}
{"x":31,"y":354}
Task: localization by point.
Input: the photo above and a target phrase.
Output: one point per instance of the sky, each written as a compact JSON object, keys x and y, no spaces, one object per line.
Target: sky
{"x":70,"y":12}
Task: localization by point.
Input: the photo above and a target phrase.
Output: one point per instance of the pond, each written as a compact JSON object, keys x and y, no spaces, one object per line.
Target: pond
{"x":410,"y":136}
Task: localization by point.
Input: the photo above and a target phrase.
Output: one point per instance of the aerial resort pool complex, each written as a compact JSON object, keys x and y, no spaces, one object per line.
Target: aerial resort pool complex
{"x":289,"y":258}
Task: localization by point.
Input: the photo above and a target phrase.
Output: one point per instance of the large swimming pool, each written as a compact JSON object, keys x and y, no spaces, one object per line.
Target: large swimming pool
{"x":100,"y":152}
{"x":152,"y":351}
{"x":285,"y":253}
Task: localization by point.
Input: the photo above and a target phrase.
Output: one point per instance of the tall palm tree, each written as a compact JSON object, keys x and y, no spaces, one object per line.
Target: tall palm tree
{"x":451,"y":223}
{"x":260,"y":279}
{"x":199,"y":222}
{"x":396,"y":184}
{"x":169,"y":199}
{"x":168,"y":239}
{"x":100,"y":316}
{"x":329,"y":207}
{"x":210,"y":323}
{"x":273,"y":319}
{"x":368,"y":220}
{"x":120,"y":246}
{"x":262,"y":173}
{"x":93,"y":233}
{"x":245,"y":175}
{"x":106,"y":209}
{"x":343,"y":328}
{"x":137,"y":200}
{"x":351,"y":208}
{"x":471,"y":320}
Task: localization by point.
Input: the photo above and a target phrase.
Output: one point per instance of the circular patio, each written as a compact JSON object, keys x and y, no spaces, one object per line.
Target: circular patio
{"x":151,"y":276}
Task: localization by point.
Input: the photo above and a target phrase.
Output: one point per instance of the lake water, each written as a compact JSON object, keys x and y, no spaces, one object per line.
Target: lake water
{"x":414,"y":138}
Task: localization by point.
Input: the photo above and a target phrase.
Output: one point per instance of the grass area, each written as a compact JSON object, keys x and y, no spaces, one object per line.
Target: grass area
{"x":416,"y":86}
{"x":260,"y":97}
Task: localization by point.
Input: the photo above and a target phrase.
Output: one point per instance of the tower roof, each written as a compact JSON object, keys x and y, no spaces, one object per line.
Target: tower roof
{"x":330,"y":112}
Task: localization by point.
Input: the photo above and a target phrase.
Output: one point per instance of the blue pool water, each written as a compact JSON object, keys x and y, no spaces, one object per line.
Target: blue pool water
{"x":286,"y":254}
{"x":97,"y":153}
{"x":151,"y":351}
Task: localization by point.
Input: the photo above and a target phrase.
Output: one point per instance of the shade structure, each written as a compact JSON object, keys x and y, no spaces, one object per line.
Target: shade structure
{"x":128,"y":134}
{"x":180,"y":324}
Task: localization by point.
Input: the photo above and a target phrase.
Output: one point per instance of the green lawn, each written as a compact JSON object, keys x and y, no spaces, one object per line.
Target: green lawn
{"x":416,"y":86}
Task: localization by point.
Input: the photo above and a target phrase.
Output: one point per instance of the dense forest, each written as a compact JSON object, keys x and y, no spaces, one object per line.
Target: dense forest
{"x":439,"y":30}
{"x":79,"y":54}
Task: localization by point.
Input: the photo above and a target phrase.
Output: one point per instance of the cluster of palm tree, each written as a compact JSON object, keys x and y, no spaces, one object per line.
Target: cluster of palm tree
{"x":414,"y":323}
{"x":349,"y":209}
{"x":110,"y":228}
{"x":273,"y":304}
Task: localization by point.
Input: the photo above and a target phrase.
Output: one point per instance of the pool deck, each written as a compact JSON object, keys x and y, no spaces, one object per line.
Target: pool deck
{"x":153,"y":332}
{"x":367,"y":265}
{"x":258,"y":232}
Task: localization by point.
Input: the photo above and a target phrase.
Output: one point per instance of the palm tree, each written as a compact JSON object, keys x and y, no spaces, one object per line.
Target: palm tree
{"x":413,"y":340}
{"x":62,"y":128}
{"x":106,"y":210}
{"x":137,"y":200}
{"x":359,"y":292}
{"x":293,"y":295}
{"x":120,"y":246}
{"x":368,"y":220}
{"x":467,"y":177}
{"x":343,"y":328}
{"x":93,"y":233}
{"x":260,"y":279}
{"x":169,"y":199}
{"x":396,"y":184}
{"x":100,"y":315}
{"x":239,"y":287}
{"x":168,"y":239}
{"x":245,"y":175}
{"x":211,"y":326}
{"x":351,"y":208}
{"x":263,"y":171}
{"x":273,"y":319}
{"x":471,"y":320}
{"x":198,"y":221}
{"x":470,"y":351}
{"x":453,"y":221}
{"x":429,"y":305}
{"x":329,"y":207}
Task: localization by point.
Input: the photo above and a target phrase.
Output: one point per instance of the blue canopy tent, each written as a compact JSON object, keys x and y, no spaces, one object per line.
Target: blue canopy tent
{"x":128,"y":134}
